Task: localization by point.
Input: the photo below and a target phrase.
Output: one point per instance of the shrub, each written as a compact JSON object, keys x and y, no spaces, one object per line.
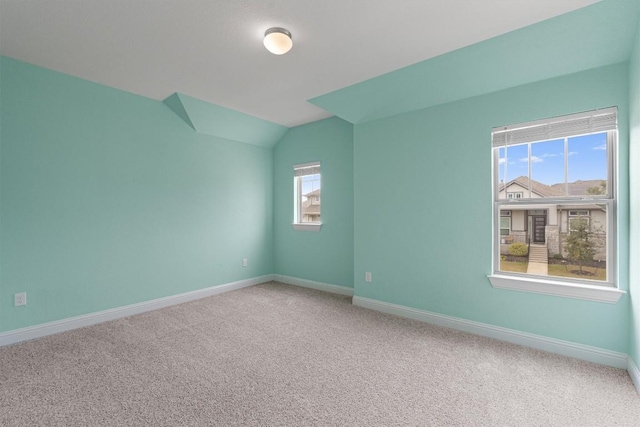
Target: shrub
{"x":557,"y":256}
{"x":518,"y":249}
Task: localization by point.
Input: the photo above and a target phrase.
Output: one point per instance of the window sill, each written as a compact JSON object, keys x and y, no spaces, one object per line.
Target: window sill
{"x":609,"y":295}
{"x":307,"y":226}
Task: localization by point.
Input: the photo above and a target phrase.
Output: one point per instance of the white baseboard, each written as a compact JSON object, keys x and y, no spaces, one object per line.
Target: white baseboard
{"x":566,"y":348}
{"x":552,"y":345}
{"x":49,"y":328}
{"x":634,"y":373}
{"x":334,"y":289}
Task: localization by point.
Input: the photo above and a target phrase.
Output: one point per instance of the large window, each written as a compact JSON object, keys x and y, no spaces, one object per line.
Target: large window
{"x":307,"y":186}
{"x":556,"y":176}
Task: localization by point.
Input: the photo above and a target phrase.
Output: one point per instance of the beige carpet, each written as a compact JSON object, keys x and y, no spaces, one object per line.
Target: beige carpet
{"x":277,"y":355}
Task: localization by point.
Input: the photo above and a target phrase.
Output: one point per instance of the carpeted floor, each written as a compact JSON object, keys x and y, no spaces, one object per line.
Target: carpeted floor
{"x":278,"y":355}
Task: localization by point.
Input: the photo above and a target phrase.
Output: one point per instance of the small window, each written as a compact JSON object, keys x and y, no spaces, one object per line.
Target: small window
{"x":307,"y":185}
{"x":557,"y":175}
{"x":505,"y":225}
{"x":578,"y":220}
{"x":578,"y":213}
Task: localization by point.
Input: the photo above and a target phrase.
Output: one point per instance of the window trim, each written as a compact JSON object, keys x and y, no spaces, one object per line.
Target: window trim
{"x":307,"y":226}
{"x":536,"y":284}
{"x":606,"y":292}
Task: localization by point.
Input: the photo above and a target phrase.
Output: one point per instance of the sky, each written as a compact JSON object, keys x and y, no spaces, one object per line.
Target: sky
{"x":310,"y":183}
{"x":587,"y":160}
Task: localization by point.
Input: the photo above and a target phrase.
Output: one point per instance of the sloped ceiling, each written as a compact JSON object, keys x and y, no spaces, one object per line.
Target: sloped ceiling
{"x":212,"y":49}
{"x":211,"y":119}
{"x":591,"y":37}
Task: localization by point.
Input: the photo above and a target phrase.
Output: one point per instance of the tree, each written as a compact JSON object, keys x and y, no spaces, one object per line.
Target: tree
{"x":580,"y":247}
{"x":598,"y":189}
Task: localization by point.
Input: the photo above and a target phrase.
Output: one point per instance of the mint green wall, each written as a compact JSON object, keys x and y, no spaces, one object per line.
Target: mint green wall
{"x":109,"y":199}
{"x":218,"y":121}
{"x":590,"y":37}
{"x":325,"y":256}
{"x":423,"y":209}
{"x":634,"y":169}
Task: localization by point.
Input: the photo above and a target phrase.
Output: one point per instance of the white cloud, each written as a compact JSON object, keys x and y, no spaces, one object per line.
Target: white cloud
{"x":601,"y":146}
{"x":534,"y":159}
{"x":549,"y":155}
{"x":571,"y":153}
{"x":502,"y":160}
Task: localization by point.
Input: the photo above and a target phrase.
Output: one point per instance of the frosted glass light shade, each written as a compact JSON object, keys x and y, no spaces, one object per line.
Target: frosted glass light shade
{"x":278,"y":41}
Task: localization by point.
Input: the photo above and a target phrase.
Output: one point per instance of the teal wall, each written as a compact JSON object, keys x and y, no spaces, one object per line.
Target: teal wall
{"x":423,"y":209}
{"x":590,"y":37}
{"x":222,"y":122}
{"x":325,"y":256}
{"x":109,"y":199}
{"x":634,"y":168}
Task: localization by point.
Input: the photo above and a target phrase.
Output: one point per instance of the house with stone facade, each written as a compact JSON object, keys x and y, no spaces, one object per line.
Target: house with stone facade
{"x":550,"y":224}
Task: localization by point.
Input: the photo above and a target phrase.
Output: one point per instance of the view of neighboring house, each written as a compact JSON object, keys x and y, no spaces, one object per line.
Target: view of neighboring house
{"x":311,"y":206}
{"x":550,"y":224}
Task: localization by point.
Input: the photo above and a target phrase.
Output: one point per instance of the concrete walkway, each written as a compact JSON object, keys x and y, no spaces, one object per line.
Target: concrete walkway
{"x":538,"y":268}
{"x":538,"y":260}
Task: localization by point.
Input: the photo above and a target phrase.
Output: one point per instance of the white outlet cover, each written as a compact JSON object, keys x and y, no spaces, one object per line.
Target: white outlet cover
{"x":245,"y":262}
{"x":20,"y":299}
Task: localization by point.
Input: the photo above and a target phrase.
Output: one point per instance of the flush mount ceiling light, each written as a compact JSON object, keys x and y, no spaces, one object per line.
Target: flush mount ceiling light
{"x":278,"y":40}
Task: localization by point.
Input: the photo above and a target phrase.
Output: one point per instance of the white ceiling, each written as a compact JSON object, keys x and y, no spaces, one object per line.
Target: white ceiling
{"x":212,"y":49}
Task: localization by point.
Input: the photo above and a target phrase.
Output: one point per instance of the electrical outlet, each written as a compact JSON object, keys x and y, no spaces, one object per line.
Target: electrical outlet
{"x":367,"y":277}
{"x":20,"y":299}
{"x":245,"y":262}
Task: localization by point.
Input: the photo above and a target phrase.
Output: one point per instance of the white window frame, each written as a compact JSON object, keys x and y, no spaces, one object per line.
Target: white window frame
{"x":515,"y":194}
{"x":300,"y":170}
{"x":590,"y":122}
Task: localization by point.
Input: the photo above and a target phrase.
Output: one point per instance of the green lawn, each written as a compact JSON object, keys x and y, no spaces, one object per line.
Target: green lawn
{"x":558,"y":270}
{"x":516,"y":267}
